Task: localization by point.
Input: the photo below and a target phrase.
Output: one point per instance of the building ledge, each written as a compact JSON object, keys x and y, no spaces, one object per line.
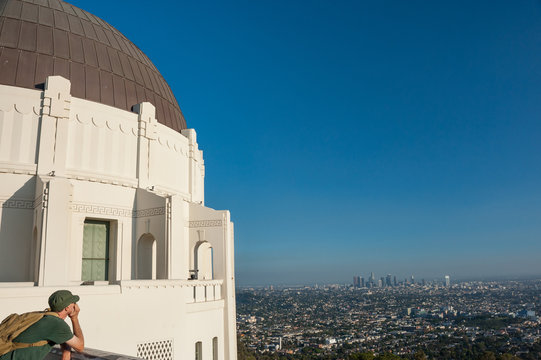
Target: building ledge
{"x":167,"y":283}
{"x":94,"y":354}
{"x":16,"y":284}
{"x":195,"y":291}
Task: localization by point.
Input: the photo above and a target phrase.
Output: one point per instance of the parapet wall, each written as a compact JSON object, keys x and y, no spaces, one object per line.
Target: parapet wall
{"x":94,"y":354}
{"x":51,"y":132}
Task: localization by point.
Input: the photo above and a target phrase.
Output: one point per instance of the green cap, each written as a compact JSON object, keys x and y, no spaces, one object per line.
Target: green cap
{"x":61,"y":299}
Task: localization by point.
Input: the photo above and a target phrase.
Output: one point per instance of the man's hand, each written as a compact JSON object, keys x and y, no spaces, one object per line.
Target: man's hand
{"x":77,"y":342}
{"x":75,"y":311}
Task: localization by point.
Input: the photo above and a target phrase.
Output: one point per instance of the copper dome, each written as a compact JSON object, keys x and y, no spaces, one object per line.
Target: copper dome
{"x":39,"y":38}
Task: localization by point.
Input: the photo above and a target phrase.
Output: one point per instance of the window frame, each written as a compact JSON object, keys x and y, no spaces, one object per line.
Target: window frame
{"x":111,"y":267}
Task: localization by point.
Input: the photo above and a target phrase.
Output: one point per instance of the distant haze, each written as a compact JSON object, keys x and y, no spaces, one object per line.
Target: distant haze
{"x":353,"y":136}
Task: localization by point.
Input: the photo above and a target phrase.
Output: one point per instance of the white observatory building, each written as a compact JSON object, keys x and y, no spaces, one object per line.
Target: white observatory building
{"x":102,"y":191}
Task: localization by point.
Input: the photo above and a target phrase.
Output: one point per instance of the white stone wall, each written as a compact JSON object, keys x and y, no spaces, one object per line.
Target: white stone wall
{"x":118,"y":318}
{"x":64,"y":160}
{"x":216,"y":227}
{"x":19,"y":123}
{"x":170,"y":148}
{"x":16,"y":219}
{"x":102,"y":140}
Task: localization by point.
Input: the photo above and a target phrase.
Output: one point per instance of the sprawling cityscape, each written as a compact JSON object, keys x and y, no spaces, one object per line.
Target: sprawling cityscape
{"x":387,"y":318}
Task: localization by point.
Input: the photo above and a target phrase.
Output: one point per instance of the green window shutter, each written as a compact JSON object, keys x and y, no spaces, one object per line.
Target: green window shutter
{"x":95,"y":251}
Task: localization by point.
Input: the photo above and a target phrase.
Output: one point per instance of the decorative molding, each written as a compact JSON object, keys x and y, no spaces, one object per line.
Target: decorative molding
{"x":156,"y":350}
{"x":169,"y":213}
{"x":18,"y":204}
{"x":165,"y":141}
{"x":98,"y":122}
{"x":113,"y":211}
{"x":57,"y":97}
{"x":101,"y":210}
{"x":146,"y":119}
{"x":17,"y":98}
{"x":102,"y":178}
{"x":23,"y":108}
{"x":150,"y":212}
{"x":122,"y":125}
{"x":205,"y":223}
{"x":45,"y":202}
{"x":83,"y":118}
{"x":18,"y":172}
{"x":11,"y":167}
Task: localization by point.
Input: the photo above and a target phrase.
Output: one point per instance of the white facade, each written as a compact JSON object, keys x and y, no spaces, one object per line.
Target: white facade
{"x":66,"y":163}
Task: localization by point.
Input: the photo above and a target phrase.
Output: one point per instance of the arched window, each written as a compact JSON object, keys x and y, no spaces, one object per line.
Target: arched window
{"x":199,"y":350}
{"x":203,"y":260}
{"x":146,"y":257}
{"x":215,"y":348}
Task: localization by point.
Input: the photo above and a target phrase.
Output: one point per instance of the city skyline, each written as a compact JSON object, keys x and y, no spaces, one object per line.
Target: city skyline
{"x":464,"y":321}
{"x":391,"y":280}
{"x":440,"y":280}
{"x":399,"y":138}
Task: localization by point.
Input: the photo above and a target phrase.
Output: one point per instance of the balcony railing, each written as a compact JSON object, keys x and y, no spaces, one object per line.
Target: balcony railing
{"x":195,"y":291}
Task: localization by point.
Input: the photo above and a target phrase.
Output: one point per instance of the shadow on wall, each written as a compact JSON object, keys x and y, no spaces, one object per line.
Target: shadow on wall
{"x":18,"y":238}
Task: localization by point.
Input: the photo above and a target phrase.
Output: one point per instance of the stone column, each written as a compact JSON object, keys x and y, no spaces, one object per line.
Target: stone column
{"x":54,"y":222}
{"x":230,"y":330}
{"x":179,"y":250}
{"x":195,"y":160}
{"x":55,"y":230}
{"x":147,"y":133}
{"x":53,"y":136}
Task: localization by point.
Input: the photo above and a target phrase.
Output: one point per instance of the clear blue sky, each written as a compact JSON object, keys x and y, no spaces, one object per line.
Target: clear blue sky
{"x":346,"y":137}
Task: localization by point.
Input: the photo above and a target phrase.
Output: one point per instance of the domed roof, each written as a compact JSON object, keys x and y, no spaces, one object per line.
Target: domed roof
{"x":39,"y":38}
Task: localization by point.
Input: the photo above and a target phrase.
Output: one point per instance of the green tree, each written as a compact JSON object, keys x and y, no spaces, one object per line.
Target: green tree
{"x":387,"y":356}
{"x":243,"y":353}
{"x":508,"y":357}
{"x":361,"y":356}
{"x":419,"y":355}
{"x":488,"y":355}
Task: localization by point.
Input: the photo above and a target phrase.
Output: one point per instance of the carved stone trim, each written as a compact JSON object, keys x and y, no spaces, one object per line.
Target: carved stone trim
{"x":169,"y":212}
{"x":18,"y":204}
{"x":113,"y":211}
{"x":205,"y":223}
{"x":101,"y":210}
{"x":150,"y":212}
{"x":45,"y":202}
{"x":56,"y":97}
